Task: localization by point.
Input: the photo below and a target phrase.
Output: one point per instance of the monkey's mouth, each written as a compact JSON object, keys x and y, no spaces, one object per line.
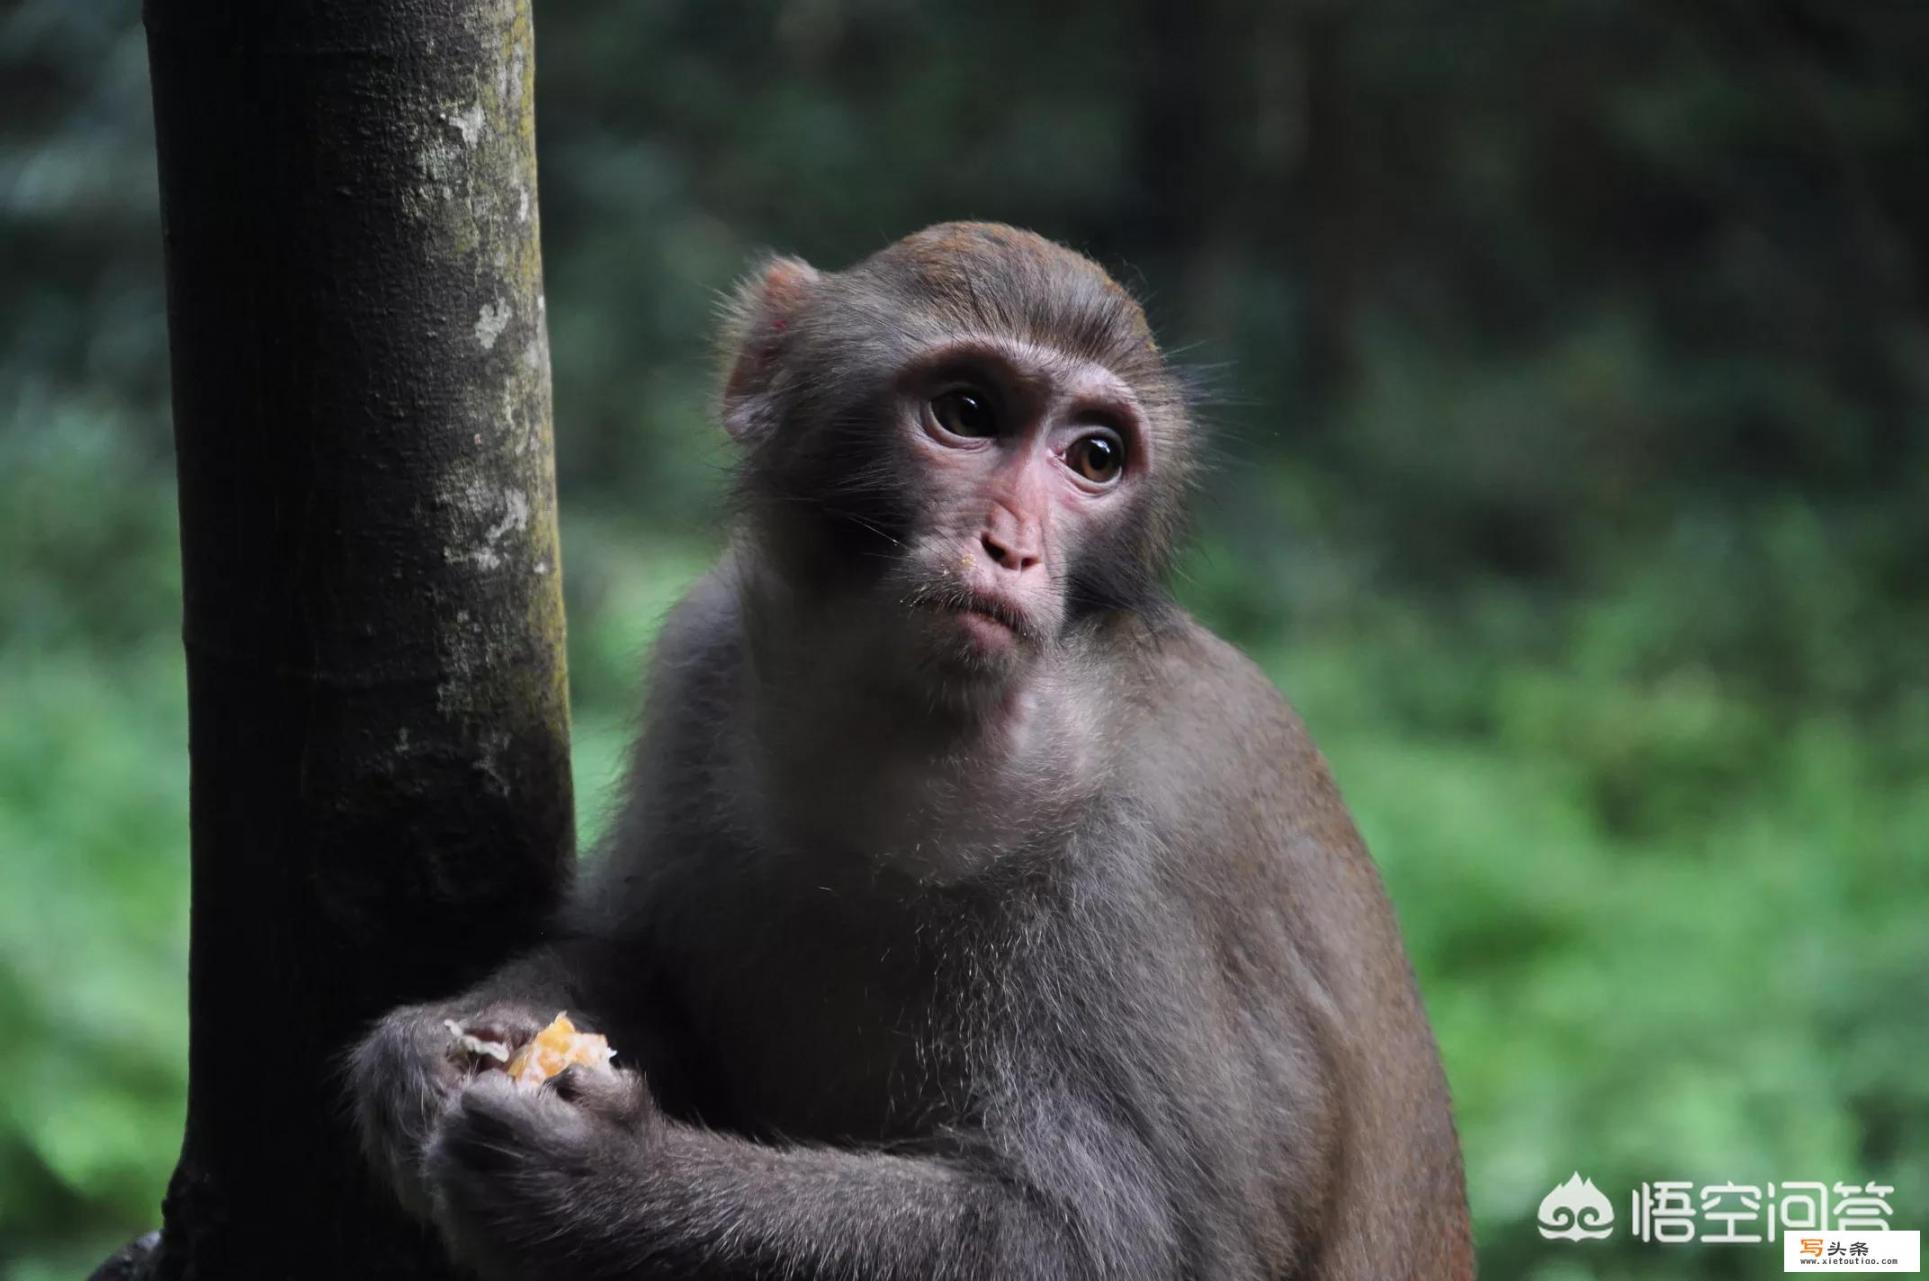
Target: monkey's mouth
{"x":990,"y":620}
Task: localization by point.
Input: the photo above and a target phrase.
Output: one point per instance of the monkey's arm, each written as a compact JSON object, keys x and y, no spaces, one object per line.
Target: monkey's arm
{"x":539,"y":1183}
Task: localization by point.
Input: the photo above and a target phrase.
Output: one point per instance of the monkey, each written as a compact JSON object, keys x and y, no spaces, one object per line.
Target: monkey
{"x":972,"y":911}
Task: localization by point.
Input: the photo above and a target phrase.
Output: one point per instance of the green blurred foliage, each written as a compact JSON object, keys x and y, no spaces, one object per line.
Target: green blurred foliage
{"x":1568,"y":368}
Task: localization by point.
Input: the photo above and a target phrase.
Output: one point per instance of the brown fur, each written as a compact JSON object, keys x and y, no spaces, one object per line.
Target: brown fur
{"x":1030,"y":949}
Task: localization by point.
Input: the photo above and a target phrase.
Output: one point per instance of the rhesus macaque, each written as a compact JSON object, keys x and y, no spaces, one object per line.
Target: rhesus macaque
{"x":974,"y":912}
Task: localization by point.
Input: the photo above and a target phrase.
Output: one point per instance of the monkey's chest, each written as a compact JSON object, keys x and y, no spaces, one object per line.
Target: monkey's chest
{"x":825,"y":1040}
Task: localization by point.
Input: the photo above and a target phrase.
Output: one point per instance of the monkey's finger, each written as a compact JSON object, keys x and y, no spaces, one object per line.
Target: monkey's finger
{"x":486,"y":1127}
{"x":616,"y":1096}
{"x":509,"y":1025}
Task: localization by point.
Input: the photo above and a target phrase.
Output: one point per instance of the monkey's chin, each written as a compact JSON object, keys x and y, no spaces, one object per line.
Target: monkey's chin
{"x":973,"y":646}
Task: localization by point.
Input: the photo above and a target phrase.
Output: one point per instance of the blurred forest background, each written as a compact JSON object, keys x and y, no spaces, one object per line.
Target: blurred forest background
{"x":1570,"y":378}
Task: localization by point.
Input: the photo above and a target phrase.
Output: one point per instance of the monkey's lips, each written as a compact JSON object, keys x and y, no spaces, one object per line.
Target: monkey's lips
{"x":990,"y":622}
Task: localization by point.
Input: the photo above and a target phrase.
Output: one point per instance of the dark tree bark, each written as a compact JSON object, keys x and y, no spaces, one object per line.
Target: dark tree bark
{"x":374,"y":629}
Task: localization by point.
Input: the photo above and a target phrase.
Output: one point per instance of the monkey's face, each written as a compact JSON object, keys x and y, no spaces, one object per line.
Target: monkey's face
{"x":966,"y":452}
{"x":1024,"y":466}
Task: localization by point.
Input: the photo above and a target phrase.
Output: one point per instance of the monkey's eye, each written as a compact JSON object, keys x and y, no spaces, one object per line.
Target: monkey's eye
{"x":1099,"y":457}
{"x":964,"y":412}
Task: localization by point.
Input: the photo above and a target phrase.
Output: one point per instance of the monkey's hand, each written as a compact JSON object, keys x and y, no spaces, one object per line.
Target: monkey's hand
{"x":408,"y":1071}
{"x":513,"y":1168}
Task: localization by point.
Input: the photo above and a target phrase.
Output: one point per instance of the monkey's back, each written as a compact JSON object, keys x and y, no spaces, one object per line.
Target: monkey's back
{"x":1307,"y":946}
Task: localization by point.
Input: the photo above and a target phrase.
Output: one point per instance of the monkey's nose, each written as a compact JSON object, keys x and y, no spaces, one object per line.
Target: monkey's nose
{"x":1009,"y":553}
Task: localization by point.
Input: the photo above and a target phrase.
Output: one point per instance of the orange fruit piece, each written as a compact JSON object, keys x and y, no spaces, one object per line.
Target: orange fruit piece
{"x":556,"y":1047}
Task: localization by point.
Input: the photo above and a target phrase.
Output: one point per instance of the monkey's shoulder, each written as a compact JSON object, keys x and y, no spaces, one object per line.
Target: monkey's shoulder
{"x":1199,"y":690}
{"x":704,"y":621}
{"x":697,"y":654}
{"x":1216,"y":738}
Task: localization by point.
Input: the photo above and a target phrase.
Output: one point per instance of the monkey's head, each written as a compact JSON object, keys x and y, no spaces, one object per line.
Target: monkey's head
{"x":970,"y":442}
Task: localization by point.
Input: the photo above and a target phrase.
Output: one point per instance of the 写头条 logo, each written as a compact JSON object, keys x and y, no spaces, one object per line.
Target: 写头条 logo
{"x":1576,"y":1211}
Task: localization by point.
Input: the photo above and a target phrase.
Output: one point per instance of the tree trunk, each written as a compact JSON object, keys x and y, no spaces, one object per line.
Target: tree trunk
{"x":377,"y":695}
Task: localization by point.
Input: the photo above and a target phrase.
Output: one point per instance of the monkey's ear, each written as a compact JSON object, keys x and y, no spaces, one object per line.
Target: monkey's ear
{"x":757,"y":326}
